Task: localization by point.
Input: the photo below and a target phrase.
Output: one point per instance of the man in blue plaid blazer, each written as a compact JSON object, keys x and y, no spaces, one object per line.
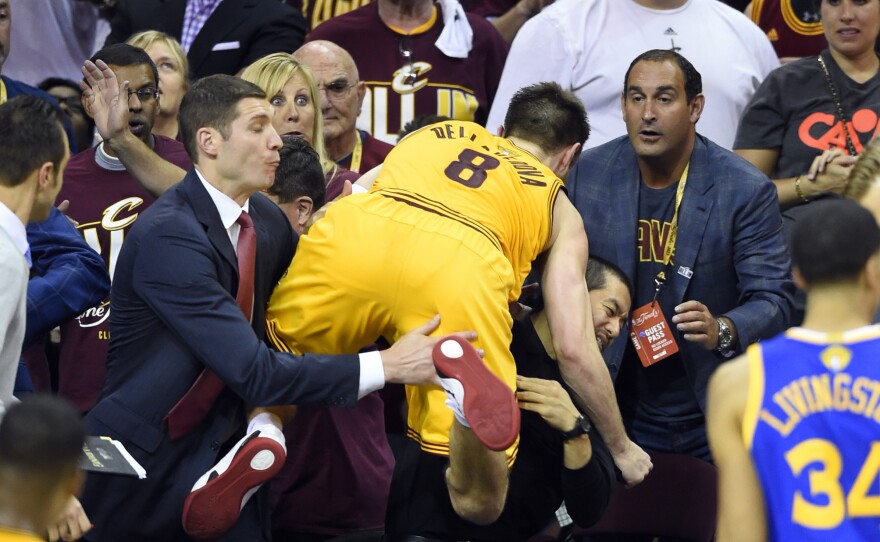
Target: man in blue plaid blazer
{"x":698,"y":230}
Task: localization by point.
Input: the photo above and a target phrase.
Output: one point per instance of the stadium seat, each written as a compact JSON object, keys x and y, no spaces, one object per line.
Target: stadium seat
{"x":677,"y":500}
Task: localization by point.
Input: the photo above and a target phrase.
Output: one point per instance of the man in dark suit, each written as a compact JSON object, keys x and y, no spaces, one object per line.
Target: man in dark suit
{"x":178,"y":310}
{"x":722,"y":281}
{"x":233,"y":33}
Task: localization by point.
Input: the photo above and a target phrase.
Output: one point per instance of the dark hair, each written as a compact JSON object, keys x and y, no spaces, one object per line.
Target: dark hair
{"x":419,"y":122}
{"x":123,"y":54}
{"x":598,"y":271}
{"x":693,"y":81}
{"x":833,"y":241}
{"x":212,"y":102}
{"x":52,"y":82}
{"x":55,"y":82}
{"x":547,"y":116}
{"x":31,"y":134}
{"x":299,"y":173}
{"x":42,"y":433}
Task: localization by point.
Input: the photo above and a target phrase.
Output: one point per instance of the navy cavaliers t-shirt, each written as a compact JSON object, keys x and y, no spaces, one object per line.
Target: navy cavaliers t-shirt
{"x":458,"y":88}
{"x":660,"y":392}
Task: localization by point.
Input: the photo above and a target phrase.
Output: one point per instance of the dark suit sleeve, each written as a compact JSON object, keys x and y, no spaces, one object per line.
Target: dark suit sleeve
{"x":68,"y":276}
{"x":175,"y":273}
{"x":763,"y":267}
{"x":284,"y":33}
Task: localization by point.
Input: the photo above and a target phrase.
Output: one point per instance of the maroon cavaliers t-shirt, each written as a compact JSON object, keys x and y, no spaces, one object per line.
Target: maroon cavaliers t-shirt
{"x":458,"y":88}
{"x":105,"y":203}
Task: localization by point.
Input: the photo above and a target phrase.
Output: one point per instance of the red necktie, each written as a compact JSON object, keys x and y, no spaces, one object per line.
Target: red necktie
{"x":198,"y":400}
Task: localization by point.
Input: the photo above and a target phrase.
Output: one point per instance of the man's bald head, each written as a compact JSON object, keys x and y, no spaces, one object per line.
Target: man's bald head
{"x":341,"y":93}
{"x":327,"y":53}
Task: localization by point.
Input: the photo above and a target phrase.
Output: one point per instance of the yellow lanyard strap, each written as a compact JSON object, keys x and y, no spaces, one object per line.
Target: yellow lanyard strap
{"x":356,"y":154}
{"x":669,"y":250}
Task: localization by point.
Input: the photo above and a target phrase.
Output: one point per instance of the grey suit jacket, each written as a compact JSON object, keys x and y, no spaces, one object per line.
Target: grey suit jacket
{"x":730,"y":254}
{"x":13,"y":306}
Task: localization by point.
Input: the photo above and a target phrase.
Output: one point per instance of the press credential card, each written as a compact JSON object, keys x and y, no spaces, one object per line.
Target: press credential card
{"x":650,"y":334}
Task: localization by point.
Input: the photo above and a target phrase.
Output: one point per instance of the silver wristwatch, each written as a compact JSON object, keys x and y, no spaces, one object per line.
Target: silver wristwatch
{"x":725,"y":337}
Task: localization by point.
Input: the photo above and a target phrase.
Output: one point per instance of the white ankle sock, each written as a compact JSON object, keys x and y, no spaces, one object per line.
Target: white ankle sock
{"x":262,"y":419}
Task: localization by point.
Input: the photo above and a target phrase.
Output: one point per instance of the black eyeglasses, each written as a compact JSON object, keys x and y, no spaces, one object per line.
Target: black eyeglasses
{"x":405,"y":48}
{"x":338,"y":90}
{"x":145,"y":94}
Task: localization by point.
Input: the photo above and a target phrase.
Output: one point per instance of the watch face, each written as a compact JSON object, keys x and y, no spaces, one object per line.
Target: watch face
{"x":724,"y":336}
{"x":581,"y":427}
{"x":584,"y":424}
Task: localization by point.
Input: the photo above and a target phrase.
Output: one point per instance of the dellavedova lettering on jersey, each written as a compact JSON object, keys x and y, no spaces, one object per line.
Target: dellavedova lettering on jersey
{"x":528,"y":173}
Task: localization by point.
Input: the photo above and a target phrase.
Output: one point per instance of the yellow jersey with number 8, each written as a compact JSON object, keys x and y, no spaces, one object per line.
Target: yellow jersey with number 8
{"x":481,"y":180}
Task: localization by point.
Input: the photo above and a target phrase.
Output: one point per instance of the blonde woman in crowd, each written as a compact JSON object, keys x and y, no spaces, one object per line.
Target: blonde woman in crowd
{"x":170,"y":60}
{"x":296,"y":104}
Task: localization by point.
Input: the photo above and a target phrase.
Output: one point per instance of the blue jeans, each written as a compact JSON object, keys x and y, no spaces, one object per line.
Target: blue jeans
{"x":688,"y":438}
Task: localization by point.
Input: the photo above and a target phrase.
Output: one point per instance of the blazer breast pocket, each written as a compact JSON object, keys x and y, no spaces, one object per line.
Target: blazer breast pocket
{"x":226,"y":46}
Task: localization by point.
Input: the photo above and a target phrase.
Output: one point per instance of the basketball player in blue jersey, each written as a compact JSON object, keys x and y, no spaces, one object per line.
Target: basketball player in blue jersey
{"x":794,"y":424}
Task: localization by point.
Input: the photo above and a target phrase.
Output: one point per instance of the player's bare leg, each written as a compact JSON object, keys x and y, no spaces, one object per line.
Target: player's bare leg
{"x":477,"y":477}
{"x":486,"y":424}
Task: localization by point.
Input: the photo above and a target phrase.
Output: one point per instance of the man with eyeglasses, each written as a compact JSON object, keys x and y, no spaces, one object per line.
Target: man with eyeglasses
{"x":105,"y":200}
{"x":342,"y":96}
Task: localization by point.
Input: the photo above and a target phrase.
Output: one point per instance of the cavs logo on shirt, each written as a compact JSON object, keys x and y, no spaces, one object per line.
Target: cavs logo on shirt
{"x":389,"y":105}
{"x":408,"y":78}
{"x":106,"y":237}
{"x":825,"y":131}
{"x":652,"y":238}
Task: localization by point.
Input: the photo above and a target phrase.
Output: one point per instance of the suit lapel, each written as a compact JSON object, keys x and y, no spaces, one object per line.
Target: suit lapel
{"x":625,"y":208}
{"x":693,"y":219}
{"x":226,"y":18}
{"x":206,"y":213}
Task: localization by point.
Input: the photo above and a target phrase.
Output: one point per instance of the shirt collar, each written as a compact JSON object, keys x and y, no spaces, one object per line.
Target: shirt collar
{"x":226,"y":206}
{"x":105,"y":161}
{"x":13,"y":227}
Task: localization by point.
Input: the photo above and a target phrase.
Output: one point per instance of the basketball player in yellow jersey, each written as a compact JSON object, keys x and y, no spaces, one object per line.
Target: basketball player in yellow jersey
{"x":450,"y":226}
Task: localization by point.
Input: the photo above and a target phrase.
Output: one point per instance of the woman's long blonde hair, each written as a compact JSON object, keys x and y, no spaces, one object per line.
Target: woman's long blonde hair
{"x":271,"y":73}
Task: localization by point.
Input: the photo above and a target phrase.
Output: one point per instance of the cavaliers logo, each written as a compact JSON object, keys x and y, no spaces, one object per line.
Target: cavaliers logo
{"x":824,"y":131}
{"x":407,"y":79}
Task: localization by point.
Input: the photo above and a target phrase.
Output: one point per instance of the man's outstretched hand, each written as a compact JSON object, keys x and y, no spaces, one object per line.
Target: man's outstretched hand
{"x":107,"y":100}
{"x":410,"y":359}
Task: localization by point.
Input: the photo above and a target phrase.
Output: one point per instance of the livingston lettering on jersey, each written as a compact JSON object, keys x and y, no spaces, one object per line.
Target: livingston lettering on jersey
{"x":813,"y":394}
